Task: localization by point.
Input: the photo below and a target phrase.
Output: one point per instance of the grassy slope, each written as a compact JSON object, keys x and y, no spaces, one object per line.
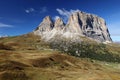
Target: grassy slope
{"x":28,"y":58}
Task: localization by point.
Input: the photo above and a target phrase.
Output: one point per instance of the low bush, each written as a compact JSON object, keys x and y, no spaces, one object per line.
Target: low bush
{"x":93,"y":50}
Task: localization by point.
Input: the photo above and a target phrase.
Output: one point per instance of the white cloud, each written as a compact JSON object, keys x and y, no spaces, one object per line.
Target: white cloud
{"x":65,"y":14}
{"x":2,"y":25}
{"x":27,"y":11}
{"x":30,"y":10}
{"x":43,"y":10}
{"x":56,"y":17}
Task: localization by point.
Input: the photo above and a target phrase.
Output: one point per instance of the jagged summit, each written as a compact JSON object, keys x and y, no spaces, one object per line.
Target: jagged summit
{"x":79,"y":24}
{"x":59,"y":24}
{"x":46,"y":25}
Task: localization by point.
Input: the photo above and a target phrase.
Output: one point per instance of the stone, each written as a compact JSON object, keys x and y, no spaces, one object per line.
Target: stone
{"x":79,"y":24}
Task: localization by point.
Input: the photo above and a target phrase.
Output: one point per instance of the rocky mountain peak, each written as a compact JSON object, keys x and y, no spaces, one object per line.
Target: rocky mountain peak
{"x":47,"y":19}
{"x":59,"y":24}
{"x":74,"y":24}
{"x":45,"y":26}
{"x":79,"y":24}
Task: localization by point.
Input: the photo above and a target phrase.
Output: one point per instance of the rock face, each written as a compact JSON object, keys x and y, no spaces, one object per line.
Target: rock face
{"x":46,"y":25}
{"x":59,"y":24}
{"x":79,"y":24}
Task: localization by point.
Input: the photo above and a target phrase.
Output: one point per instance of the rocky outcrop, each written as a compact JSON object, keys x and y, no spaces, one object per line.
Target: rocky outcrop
{"x":59,"y":24}
{"x":45,"y":26}
{"x":74,"y":24}
{"x":79,"y":24}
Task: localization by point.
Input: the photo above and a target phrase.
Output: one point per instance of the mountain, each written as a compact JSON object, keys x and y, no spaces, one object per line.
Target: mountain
{"x":29,"y":57}
{"x":79,"y":24}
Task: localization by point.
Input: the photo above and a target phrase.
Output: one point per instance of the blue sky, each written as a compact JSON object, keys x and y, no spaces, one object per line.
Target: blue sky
{"x":22,"y":16}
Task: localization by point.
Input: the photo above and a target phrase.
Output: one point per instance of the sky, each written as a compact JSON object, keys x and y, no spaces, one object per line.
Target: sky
{"x":22,"y":16}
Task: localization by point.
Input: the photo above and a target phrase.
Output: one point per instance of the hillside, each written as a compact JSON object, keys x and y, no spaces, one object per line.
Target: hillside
{"x":28,"y":57}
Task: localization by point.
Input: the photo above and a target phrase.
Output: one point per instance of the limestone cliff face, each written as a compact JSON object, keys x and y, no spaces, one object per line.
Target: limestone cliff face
{"x":45,"y":26}
{"x":59,"y":24}
{"x":74,"y":24}
{"x":79,"y":24}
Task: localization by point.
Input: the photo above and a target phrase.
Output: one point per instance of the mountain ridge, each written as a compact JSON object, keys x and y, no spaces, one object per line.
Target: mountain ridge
{"x":79,"y":24}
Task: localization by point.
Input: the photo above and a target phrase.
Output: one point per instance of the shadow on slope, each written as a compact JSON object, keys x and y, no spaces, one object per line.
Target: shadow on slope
{"x":12,"y":70}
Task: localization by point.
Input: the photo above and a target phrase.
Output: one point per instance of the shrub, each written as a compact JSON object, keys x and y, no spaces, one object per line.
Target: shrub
{"x":97,"y":51}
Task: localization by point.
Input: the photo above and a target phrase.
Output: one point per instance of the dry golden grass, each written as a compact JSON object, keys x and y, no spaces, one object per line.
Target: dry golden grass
{"x":50,"y":65}
{"x":32,"y":59}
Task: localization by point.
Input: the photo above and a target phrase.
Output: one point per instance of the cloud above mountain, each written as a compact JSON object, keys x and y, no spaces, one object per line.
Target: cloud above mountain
{"x":2,"y":25}
{"x":65,"y":13}
{"x":30,"y":10}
